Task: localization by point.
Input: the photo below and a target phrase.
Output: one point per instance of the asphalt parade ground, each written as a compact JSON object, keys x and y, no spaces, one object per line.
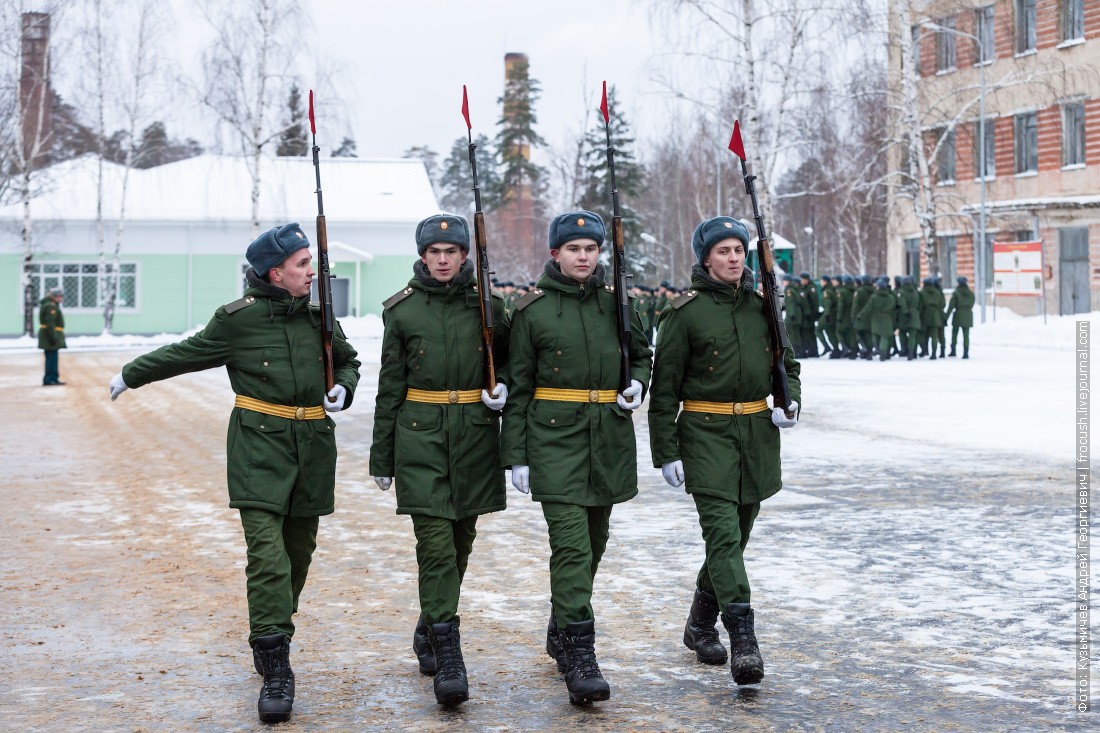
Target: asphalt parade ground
{"x":899,"y":584}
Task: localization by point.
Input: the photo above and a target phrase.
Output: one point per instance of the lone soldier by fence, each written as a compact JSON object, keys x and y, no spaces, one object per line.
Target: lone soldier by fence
{"x":282,"y":445}
{"x":714,"y":356}
{"x":437,"y":432}
{"x":568,"y":434}
{"x":51,"y":334}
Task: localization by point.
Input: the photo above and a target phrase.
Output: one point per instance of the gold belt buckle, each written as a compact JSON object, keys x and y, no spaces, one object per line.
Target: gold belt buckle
{"x":452,"y":397}
{"x":738,"y":408}
{"x":594,"y":395}
{"x":299,"y":413}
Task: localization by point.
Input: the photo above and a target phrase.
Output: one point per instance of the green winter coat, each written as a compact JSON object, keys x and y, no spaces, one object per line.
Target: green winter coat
{"x":813,"y":302}
{"x":270,"y":343}
{"x":51,"y":325}
{"x":714,"y":346}
{"x":932,"y":305}
{"x":845,"y":295}
{"x":962,"y":303}
{"x":861,"y":316}
{"x":828,"y":304}
{"x":911,"y":298}
{"x":880,"y":312}
{"x":793,"y":306}
{"x":564,"y":336}
{"x":445,"y":459}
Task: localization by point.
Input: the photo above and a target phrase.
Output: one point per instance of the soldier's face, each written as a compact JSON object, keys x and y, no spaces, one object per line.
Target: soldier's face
{"x":726,"y":261}
{"x":444,"y":261}
{"x":577,"y":258}
{"x":295,"y":275}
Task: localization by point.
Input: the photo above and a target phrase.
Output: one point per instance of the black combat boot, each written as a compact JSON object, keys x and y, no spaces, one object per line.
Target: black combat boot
{"x":277,"y":695}
{"x":582,"y":677}
{"x":700,"y":634}
{"x":952,"y":351}
{"x":932,"y":356}
{"x":746,"y":665}
{"x":837,"y":353}
{"x":554,"y":647}
{"x":966,"y":352}
{"x":942,"y":349}
{"x":451,"y":686}
{"x":868,"y":353}
{"x":884,"y":356}
{"x":853,"y":354}
{"x":912,"y":354}
{"x":422,"y":648}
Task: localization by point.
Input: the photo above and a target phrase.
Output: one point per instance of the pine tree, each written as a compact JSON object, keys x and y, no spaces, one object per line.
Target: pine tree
{"x":347,"y":149}
{"x":456,"y":181}
{"x":517,"y":138}
{"x":292,"y":140}
{"x":629,"y":178}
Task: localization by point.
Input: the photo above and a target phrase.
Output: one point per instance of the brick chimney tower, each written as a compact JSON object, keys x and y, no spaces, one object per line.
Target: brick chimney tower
{"x":34,"y":84}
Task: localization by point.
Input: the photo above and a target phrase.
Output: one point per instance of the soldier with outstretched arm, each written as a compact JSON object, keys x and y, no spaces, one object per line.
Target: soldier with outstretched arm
{"x":436,"y":432}
{"x":281,"y":448}
{"x":714,"y":359}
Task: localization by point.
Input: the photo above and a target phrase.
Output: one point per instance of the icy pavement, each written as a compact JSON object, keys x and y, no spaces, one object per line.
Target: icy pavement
{"x":913,"y":574}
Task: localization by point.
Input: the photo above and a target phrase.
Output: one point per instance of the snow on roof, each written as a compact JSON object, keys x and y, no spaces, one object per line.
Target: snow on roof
{"x":219,"y":188}
{"x":1057,"y":202}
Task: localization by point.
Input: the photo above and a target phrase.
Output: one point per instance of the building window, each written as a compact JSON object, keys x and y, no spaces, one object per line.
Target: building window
{"x":945,"y":44}
{"x":1025,"y":25}
{"x":912,"y":257}
{"x":1027,"y":142}
{"x":983,"y":29}
{"x":950,"y":252}
{"x":80,"y":283}
{"x":1025,"y":235}
{"x":1073,"y":134}
{"x":1073,"y":19}
{"x":989,"y":147}
{"x":915,"y":33}
{"x":945,"y":162}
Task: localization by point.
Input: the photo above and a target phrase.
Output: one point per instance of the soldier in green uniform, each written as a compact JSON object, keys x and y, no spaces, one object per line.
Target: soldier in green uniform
{"x":827,"y":321}
{"x":51,"y":334}
{"x":909,"y":299}
{"x":941,"y":304}
{"x":793,"y":305}
{"x":962,"y":303}
{"x":714,"y":357}
{"x":282,"y":444}
{"x":879,"y":312}
{"x":861,"y":317}
{"x":898,"y":339}
{"x":811,"y":315}
{"x":846,"y":334}
{"x":436,"y":431}
{"x":931,"y":316}
{"x":568,"y":433}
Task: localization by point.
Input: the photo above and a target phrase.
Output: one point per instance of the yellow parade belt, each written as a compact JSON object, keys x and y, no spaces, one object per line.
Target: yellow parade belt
{"x":726,"y":408}
{"x":576,"y":395}
{"x":445,"y":397}
{"x":290,"y":413}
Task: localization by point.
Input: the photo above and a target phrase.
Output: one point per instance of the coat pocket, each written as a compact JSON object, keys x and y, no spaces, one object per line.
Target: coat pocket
{"x":261,"y":422}
{"x":418,"y":420}
{"x":554,"y":417}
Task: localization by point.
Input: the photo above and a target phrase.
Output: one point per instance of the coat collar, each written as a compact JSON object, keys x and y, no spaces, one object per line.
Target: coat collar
{"x":554,"y":279}
{"x":423,"y":280}
{"x":701,"y":280}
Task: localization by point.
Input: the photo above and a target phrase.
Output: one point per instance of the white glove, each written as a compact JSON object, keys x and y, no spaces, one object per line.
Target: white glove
{"x":780,"y":419}
{"x":334,"y":400}
{"x":117,"y":386}
{"x":674,"y":473}
{"x":521,"y":479}
{"x":495,"y":402}
{"x":633,"y":393}
{"x":384,"y":482}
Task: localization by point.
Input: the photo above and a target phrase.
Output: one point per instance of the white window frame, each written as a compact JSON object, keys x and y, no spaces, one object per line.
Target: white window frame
{"x":1077,"y":18}
{"x":1066,"y":164}
{"x":987,"y":52}
{"x":1020,"y":30}
{"x":135,"y":309}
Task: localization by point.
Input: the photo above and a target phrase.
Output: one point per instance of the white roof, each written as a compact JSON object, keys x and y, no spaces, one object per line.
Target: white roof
{"x":219,"y":188}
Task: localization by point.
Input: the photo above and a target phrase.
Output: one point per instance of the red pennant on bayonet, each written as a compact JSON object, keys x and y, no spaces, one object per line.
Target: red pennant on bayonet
{"x":736,"y":145}
{"x":466,"y":107}
{"x":603,"y":105}
{"x":312,"y":124}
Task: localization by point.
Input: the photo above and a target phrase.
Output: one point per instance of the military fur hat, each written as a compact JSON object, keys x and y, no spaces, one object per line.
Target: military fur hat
{"x":273,"y":247}
{"x":56,"y":293}
{"x":713,"y":231}
{"x":883,"y":282}
{"x":961,"y":280}
{"x":804,"y":275}
{"x":788,"y":278}
{"x":442,"y":229}
{"x":578,"y":224}
{"x":898,"y":280}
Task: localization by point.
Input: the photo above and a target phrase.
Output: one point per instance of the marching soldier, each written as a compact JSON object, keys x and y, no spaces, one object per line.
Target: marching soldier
{"x":910,"y":318}
{"x":51,"y":334}
{"x":861,"y":317}
{"x":811,"y":314}
{"x":436,"y":431}
{"x":879,"y":312}
{"x":568,"y":434}
{"x":724,"y":445}
{"x":826,"y":322}
{"x":846,"y":333}
{"x":898,"y":338}
{"x":282,"y":445}
{"x":931,"y":316}
{"x":962,"y":303}
{"x":793,"y":305}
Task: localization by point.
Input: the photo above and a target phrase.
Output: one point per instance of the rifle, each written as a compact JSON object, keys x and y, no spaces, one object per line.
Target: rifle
{"x":781,"y":390}
{"x":324,"y":275}
{"x":484,"y":285}
{"x":622,"y":297}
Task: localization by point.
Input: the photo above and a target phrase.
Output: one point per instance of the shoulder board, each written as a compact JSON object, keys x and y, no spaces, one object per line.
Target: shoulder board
{"x":236,"y":305}
{"x":498,"y":294}
{"x":684,"y":299}
{"x":528,"y":299}
{"x":397,"y":297}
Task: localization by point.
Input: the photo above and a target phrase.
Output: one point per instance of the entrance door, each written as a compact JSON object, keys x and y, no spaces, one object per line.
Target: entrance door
{"x":341,"y":298}
{"x":1073,"y":269}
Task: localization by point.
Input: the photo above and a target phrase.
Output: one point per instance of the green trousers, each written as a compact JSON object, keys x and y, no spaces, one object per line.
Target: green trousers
{"x":955,"y":337}
{"x":279,"y":552}
{"x":51,"y":376}
{"x":866,"y":338}
{"x":726,"y":526}
{"x":914,"y":338}
{"x":578,"y":537}
{"x":821,"y":331}
{"x":834,"y":338}
{"x":847,"y":336}
{"x":442,"y":551}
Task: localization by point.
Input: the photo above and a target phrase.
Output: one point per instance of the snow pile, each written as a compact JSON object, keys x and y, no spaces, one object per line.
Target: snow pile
{"x":1027,"y":332}
{"x":362,"y":327}
{"x":98,"y":342}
